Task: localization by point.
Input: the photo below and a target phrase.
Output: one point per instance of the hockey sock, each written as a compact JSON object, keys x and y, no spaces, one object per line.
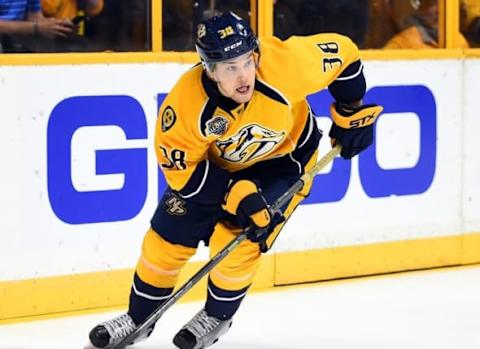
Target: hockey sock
{"x":144,"y":299}
{"x":223,"y":304}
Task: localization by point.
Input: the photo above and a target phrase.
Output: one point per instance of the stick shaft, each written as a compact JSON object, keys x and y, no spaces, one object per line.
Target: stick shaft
{"x":281,"y":201}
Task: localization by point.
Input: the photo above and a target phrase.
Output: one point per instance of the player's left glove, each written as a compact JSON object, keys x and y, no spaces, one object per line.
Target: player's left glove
{"x":353,"y":127}
{"x":245,"y":201}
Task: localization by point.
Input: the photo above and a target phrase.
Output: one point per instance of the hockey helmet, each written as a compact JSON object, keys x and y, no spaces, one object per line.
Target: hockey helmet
{"x":224,"y":37}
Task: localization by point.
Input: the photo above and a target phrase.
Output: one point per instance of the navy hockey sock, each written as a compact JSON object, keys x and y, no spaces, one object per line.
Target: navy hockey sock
{"x":144,"y":299}
{"x":223,"y":304}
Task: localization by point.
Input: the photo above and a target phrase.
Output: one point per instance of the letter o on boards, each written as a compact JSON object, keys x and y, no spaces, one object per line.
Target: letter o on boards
{"x":377,"y":181}
{"x":380,"y":182}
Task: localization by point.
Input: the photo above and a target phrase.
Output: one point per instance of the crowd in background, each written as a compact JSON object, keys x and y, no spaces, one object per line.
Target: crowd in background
{"x":372,"y":24}
{"x":375,"y":24}
{"x":74,"y":25}
{"x":125,"y":25}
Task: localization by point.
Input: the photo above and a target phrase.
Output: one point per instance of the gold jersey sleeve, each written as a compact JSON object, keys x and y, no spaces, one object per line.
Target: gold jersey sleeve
{"x":179,"y":143}
{"x":302,"y":65}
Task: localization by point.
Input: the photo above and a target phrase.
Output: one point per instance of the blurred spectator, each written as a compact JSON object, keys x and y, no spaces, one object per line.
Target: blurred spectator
{"x":421,"y":28}
{"x":285,"y":19}
{"x":177,"y":25}
{"x":241,"y":8}
{"x":382,"y":23}
{"x":471,"y":21}
{"x":123,"y":25}
{"x":345,"y":17}
{"x":23,"y":28}
{"x":78,"y":11}
{"x":70,"y":8}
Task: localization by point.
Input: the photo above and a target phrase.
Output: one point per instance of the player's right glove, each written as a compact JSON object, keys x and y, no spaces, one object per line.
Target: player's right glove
{"x":353,"y":127}
{"x":245,"y":201}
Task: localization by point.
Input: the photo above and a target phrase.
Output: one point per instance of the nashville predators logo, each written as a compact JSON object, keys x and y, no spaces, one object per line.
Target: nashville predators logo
{"x":251,"y":142}
{"x":176,"y":206}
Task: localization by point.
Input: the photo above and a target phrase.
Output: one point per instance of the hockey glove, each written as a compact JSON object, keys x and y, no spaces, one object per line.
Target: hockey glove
{"x":245,"y":201}
{"x":353,"y":127}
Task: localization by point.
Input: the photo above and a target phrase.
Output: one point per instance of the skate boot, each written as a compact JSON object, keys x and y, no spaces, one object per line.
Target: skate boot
{"x":201,"y":331}
{"x":111,"y":332}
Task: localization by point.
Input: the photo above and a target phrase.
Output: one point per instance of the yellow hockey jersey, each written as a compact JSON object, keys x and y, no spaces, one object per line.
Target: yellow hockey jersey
{"x":201,"y":136}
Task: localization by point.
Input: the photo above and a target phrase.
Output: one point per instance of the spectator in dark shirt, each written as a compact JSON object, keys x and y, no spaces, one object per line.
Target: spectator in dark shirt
{"x":123,"y":25}
{"x":345,"y":17}
{"x":285,"y":19}
{"x":471,"y":21}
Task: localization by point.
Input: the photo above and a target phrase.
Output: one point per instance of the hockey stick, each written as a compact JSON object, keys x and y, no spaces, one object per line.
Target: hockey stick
{"x":282,"y":200}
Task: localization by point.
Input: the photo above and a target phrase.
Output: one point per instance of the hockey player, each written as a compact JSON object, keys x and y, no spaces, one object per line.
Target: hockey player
{"x":232,"y":135}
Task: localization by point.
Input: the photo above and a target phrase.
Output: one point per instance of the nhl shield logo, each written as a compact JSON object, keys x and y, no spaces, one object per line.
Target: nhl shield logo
{"x":216,"y":126}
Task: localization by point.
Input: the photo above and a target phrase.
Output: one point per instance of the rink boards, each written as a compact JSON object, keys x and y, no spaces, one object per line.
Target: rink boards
{"x":79,"y":182}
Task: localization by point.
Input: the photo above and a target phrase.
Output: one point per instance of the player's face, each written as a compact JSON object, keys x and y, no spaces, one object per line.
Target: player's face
{"x":236,"y":77}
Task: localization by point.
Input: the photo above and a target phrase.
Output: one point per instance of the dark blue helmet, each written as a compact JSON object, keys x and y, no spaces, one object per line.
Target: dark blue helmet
{"x":224,"y":37}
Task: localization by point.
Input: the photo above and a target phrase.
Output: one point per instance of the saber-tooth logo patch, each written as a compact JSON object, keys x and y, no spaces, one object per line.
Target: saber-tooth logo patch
{"x":251,"y":142}
{"x":176,"y":206}
{"x":216,"y":126}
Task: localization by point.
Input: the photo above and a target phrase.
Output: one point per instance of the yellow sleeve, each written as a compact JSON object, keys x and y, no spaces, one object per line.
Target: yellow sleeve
{"x":182,"y":149}
{"x":50,"y":7}
{"x":303,"y":65}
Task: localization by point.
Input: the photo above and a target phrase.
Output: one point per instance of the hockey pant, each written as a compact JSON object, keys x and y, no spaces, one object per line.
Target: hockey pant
{"x":161,"y":261}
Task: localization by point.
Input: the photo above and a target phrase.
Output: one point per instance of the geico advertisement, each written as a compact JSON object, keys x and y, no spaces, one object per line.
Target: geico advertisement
{"x":82,"y":180}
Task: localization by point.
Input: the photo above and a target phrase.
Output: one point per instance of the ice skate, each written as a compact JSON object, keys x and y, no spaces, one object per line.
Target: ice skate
{"x":201,"y":331}
{"x":111,"y":332}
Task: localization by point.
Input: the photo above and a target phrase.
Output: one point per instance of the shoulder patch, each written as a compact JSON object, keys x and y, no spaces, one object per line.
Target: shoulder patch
{"x":168,"y":118}
{"x":216,"y":126}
